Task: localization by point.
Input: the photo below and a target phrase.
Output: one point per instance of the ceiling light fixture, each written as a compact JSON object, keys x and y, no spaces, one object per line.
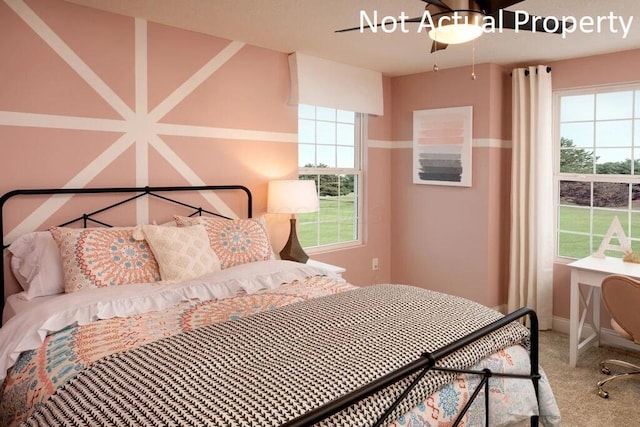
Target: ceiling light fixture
{"x":459,"y":24}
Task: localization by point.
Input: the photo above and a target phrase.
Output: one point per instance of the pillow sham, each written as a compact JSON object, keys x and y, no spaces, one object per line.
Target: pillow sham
{"x":182,"y":253}
{"x":36,"y":264}
{"x":235,"y":241}
{"x":101,"y":257}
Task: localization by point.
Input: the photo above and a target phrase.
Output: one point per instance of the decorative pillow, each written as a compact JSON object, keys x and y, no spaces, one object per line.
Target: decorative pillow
{"x":36,"y":264}
{"x":101,"y":257}
{"x":235,"y":241}
{"x":182,"y":253}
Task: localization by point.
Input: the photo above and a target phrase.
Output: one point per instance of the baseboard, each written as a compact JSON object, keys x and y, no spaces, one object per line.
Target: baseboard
{"x":608,"y":337}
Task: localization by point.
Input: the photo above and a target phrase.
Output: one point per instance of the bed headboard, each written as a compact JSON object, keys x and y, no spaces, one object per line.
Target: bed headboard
{"x":123,"y":195}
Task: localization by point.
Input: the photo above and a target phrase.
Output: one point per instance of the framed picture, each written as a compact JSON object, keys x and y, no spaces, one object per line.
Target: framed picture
{"x":442,"y":144}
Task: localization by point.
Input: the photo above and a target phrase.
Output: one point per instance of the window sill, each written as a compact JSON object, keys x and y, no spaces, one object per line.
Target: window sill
{"x":332,"y":248}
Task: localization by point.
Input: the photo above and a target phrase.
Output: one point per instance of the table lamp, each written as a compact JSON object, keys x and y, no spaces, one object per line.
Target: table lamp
{"x":293,"y":197}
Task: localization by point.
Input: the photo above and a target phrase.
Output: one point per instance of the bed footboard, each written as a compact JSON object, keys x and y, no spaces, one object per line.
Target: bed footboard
{"x":428,"y":362}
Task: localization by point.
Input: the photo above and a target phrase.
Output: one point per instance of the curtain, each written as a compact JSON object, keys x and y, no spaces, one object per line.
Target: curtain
{"x":531,"y":249}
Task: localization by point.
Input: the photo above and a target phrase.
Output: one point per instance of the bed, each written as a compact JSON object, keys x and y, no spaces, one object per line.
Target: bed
{"x":195,"y":322}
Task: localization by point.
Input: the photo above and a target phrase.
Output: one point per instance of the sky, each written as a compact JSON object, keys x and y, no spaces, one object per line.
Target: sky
{"x":607,"y":123}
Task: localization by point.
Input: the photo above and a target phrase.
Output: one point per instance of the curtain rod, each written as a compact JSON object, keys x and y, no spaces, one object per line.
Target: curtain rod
{"x":526,"y":72}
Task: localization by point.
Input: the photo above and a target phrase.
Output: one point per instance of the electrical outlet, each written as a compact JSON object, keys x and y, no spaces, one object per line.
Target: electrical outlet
{"x":375,"y":266}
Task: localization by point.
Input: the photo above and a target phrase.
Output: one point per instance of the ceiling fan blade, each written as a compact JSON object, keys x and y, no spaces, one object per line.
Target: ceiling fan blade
{"x":436,"y":46}
{"x":438,"y":3}
{"x":509,"y":21}
{"x":344,"y":30}
{"x":492,"y":6}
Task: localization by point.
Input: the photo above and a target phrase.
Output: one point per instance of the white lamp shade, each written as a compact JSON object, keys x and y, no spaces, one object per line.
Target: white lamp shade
{"x":292,"y":197}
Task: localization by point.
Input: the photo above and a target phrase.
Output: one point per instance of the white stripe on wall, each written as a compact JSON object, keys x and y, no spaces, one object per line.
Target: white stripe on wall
{"x":195,"y":80}
{"x":55,"y":202}
{"x":223,"y":133}
{"x":192,"y":178}
{"x":477,"y":143}
{"x":52,"y":121}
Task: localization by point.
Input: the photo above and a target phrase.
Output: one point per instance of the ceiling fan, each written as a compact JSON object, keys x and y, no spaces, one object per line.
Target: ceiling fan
{"x":459,"y":21}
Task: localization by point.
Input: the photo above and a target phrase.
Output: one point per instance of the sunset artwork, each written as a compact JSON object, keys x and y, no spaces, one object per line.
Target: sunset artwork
{"x":442,"y":146}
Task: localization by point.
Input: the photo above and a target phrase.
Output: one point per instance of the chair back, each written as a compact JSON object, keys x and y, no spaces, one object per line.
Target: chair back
{"x":621,"y":295}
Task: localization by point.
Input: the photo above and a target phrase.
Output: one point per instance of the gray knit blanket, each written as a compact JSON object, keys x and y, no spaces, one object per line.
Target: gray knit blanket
{"x":269,"y":368}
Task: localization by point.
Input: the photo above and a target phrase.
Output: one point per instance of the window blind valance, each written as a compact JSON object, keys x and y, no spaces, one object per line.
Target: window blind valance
{"x":317,"y":81}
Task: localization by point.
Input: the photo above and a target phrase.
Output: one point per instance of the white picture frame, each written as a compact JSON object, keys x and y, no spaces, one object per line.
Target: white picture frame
{"x":442,"y":146}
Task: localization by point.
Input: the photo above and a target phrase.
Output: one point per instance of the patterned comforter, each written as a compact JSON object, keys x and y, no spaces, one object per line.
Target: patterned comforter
{"x":87,"y":352}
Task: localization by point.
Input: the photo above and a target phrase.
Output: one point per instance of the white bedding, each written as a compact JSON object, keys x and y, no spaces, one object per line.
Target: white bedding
{"x":18,"y":303}
{"x":27,"y":329}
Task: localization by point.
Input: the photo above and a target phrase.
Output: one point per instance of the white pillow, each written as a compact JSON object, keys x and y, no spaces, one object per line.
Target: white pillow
{"x":37,"y":265}
{"x":182,"y":253}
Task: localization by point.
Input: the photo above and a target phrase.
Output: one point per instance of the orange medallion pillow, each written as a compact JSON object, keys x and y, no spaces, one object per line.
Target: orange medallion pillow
{"x":235,"y":241}
{"x":101,"y":257}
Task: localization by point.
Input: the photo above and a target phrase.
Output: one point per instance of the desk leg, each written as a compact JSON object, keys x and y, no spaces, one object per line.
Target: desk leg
{"x":596,"y":313}
{"x":574,"y":316}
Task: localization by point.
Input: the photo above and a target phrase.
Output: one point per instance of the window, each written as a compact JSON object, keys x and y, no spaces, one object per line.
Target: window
{"x":329,"y":152}
{"x":598,"y":168}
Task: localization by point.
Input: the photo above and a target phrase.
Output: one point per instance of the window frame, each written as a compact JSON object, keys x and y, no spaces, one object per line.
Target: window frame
{"x":629,"y":179}
{"x":360,"y":151}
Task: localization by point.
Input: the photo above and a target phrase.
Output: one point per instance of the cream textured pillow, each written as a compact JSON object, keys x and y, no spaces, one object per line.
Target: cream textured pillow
{"x":101,"y":257}
{"x":235,"y":241}
{"x":183,"y":253}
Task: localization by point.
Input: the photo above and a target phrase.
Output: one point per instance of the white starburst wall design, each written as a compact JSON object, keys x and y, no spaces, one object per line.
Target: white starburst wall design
{"x":140,"y":127}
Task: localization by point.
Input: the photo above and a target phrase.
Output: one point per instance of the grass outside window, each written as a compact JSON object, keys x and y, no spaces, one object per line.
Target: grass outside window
{"x":334,"y":225}
{"x":575,"y":238}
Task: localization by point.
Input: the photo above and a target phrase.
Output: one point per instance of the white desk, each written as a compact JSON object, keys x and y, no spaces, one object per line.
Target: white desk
{"x":586,"y":278}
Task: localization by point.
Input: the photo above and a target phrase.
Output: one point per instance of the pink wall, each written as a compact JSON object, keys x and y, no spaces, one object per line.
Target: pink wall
{"x":99,"y":99}
{"x":450,"y":239}
{"x":457,"y":240}
{"x":113,"y":92}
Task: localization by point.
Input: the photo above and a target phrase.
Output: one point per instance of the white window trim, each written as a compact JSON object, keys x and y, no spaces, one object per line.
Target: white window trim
{"x":558,"y":176}
{"x":361,"y":139}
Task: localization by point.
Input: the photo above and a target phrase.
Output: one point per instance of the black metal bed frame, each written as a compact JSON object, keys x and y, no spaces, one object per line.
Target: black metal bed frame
{"x":89,"y":218}
{"x":425,"y":363}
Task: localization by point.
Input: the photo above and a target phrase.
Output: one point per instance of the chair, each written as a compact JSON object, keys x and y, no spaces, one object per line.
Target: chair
{"x":621,"y":295}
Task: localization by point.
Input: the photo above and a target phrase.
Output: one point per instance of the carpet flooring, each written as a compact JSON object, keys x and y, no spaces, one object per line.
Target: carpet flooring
{"x":575,"y":388}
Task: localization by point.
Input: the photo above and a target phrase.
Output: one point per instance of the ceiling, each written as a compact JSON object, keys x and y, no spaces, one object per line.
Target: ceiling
{"x":308,"y":26}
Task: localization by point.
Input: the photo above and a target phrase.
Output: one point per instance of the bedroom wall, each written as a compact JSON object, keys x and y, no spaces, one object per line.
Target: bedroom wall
{"x":91,"y":98}
{"x":452,"y":239}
